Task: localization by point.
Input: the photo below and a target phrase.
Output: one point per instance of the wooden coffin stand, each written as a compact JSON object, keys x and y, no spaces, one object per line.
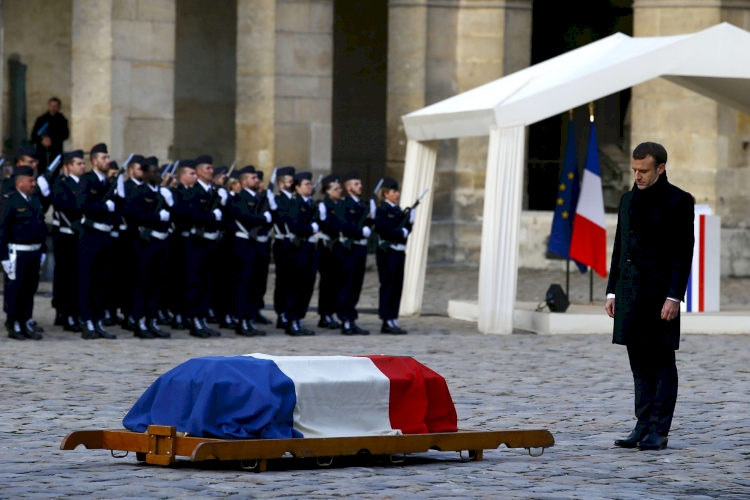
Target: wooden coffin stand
{"x":161,"y":445}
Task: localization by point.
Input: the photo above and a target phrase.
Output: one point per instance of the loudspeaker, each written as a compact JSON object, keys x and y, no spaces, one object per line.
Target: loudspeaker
{"x":557,"y":301}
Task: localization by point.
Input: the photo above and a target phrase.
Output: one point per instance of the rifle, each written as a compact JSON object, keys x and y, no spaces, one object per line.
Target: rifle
{"x":317,"y":183}
{"x":42,"y":129}
{"x":174,"y":167}
{"x":231,"y":169}
{"x":407,"y":210}
{"x":272,"y":180}
{"x":51,"y":169}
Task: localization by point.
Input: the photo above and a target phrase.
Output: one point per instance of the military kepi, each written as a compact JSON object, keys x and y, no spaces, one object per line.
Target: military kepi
{"x":248,"y":170}
{"x":285,"y":171}
{"x":70,"y":155}
{"x":303,"y":176}
{"x":99,"y":148}
{"x":330,"y":178}
{"x":204,"y":159}
{"x":24,"y":170}
{"x":389,"y":183}
{"x":351,"y":176}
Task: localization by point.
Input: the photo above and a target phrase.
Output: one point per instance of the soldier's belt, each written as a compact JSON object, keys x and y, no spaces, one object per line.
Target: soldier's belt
{"x":114,"y":234}
{"x":203,"y":234}
{"x":99,"y":226}
{"x":246,"y":236}
{"x":154,"y":234}
{"x":343,"y":239}
{"x":185,"y":234}
{"x":67,"y":230}
{"x":20,"y":247}
{"x":387,"y":245}
{"x":123,"y":227}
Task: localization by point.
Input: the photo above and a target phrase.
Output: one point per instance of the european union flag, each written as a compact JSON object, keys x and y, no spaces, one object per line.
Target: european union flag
{"x":567,"y":200}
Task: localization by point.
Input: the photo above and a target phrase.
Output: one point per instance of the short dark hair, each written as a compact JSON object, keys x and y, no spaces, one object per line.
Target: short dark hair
{"x":55,"y":99}
{"x":652,"y":149}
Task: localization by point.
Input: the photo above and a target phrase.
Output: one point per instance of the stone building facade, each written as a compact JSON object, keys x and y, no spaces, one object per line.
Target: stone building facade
{"x":322,"y":84}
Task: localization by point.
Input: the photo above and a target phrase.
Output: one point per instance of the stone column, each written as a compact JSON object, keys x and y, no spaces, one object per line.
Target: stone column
{"x":91,"y":94}
{"x":407,"y":47}
{"x":704,"y":139}
{"x":256,"y":79}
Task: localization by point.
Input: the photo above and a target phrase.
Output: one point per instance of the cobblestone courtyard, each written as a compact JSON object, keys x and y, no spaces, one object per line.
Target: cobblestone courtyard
{"x":578,"y":387}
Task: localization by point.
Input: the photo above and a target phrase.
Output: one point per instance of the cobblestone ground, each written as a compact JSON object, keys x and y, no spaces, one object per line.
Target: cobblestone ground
{"x":578,"y":387}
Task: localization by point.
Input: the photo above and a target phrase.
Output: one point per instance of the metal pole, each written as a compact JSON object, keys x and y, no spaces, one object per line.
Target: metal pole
{"x":567,"y":277}
{"x":591,"y":286}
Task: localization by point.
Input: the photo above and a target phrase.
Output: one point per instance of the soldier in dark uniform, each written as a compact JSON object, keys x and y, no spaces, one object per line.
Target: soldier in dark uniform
{"x":263,"y":261}
{"x":147,"y":210}
{"x":223,"y":283}
{"x":94,"y":244}
{"x":330,"y":269}
{"x":23,"y":235}
{"x":352,"y":253}
{"x":124,"y":266}
{"x":25,"y":157}
{"x":68,"y":199}
{"x":250,"y":214}
{"x":183,"y":224}
{"x":648,"y":278}
{"x":392,"y":225}
{"x":282,"y":243}
{"x":300,"y":221}
{"x":200,"y":205}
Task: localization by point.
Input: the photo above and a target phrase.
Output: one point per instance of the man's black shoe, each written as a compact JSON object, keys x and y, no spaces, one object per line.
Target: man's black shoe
{"x":33,"y":325}
{"x":211,"y":318}
{"x":294,"y":329}
{"x":243,"y":328}
{"x":30,"y":333}
{"x":228,"y":323}
{"x":108,"y":319}
{"x":261,"y":320}
{"x":360,"y":330}
{"x":71,"y":325}
{"x":141,"y":331}
{"x":163,"y":318}
{"x":280,"y":323}
{"x":633,"y":438}
{"x":88,"y":332}
{"x":177,"y":323}
{"x":197,"y":329}
{"x":653,"y":442}
{"x":130,"y":324}
{"x":348,"y":331}
{"x":104,"y":334}
{"x":329,"y":322}
{"x":211,"y":331}
{"x":14,"y":331}
{"x":392,"y":329}
{"x":158,"y":333}
{"x":59,"y":319}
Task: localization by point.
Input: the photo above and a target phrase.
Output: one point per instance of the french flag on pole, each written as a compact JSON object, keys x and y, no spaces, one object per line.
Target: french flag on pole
{"x":280,"y":397}
{"x":588,"y":244}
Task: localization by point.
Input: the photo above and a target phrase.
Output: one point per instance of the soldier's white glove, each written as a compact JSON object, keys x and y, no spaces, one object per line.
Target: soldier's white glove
{"x":42,"y":260}
{"x":121,"y":186}
{"x":315,"y":227}
{"x":406,"y":232}
{"x":167,"y":194}
{"x":322,"y":210}
{"x":366,"y":232}
{"x":7,"y":267}
{"x":272,"y":201}
{"x":217,"y":214}
{"x":373,"y":209}
{"x":43,"y":185}
{"x":268,"y":217}
{"x":110,"y":205}
{"x":412,"y":215}
{"x":163,"y":215}
{"x":224,"y":196}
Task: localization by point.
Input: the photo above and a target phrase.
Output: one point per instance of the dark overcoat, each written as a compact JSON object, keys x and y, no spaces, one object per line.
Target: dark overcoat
{"x":651,"y":261}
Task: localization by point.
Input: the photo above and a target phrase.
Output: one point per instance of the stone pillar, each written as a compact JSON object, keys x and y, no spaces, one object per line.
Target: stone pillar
{"x":256,"y":79}
{"x":407,"y":48}
{"x":123,"y":76}
{"x":91,"y":94}
{"x":704,"y":139}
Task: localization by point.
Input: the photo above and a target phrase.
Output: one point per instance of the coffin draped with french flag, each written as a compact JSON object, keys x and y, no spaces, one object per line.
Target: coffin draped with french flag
{"x":280,"y":397}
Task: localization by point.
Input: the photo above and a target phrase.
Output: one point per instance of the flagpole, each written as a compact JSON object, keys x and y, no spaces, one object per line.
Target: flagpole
{"x":567,"y":277}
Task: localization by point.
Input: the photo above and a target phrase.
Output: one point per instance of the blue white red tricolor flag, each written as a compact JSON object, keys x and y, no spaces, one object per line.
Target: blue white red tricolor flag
{"x":278,"y":397}
{"x":588,"y":244}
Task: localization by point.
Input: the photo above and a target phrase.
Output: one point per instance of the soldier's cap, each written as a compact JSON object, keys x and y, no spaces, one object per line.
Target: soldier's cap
{"x":329,"y":179}
{"x":151,"y":160}
{"x":249,"y":169}
{"x":67,"y":157}
{"x":389,"y":183}
{"x":139,"y":159}
{"x":351,"y":176}
{"x":235,"y":174}
{"x":113,"y":165}
{"x":302,"y":176}
{"x":284,"y":171}
{"x":24,"y":170}
{"x":260,"y":174}
{"x":220,"y":170}
{"x":204,"y":159}
{"x":26,"y":151}
{"x":99,"y":148}
{"x":187,"y":163}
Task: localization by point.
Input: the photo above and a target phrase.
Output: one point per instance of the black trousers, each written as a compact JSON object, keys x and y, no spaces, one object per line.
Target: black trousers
{"x":246,"y":266}
{"x":223,"y":280}
{"x":19,"y":292}
{"x":93,"y":263}
{"x":121,"y":268}
{"x":330,"y":281}
{"x":303,"y":261}
{"x":65,"y":274}
{"x":281,"y":252}
{"x":655,"y":380}
{"x":391,"y":275}
{"x":353,"y":263}
{"x":149,"y":277}
{"x":263,"y":260}
{"x":198,"y":252}
{"x":175,"y":298}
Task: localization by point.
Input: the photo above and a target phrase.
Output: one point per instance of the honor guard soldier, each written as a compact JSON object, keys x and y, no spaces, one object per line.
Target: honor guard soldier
{"x":264,"y":260}
{"x":125,"y":266}
{"x":352,"y":253}
{"x":330,"y":270}
{"x":68,"y":198}
{"x":392,"y":225}
{"x":183,"y":224}
{"x":282,"y":242}
{"x":147,"y":209}
{"x":300,"y":221}
{"x":250,"y":214}
{"x":23,"y":235}
{"x":94,"y":244}
{"x":223,"y":283}
{"x":200,"y":205}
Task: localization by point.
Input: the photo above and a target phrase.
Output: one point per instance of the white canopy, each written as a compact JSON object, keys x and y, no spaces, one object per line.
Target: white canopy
{"x":714,"y":62}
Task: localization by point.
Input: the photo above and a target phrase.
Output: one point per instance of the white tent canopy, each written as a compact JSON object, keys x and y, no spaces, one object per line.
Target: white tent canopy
{"x":714,"y":62}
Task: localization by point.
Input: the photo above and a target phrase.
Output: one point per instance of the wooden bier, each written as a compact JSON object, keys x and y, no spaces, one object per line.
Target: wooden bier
{"x":161,"y":445}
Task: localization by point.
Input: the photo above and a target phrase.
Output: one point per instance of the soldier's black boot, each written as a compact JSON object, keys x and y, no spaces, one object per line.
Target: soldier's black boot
{"x":227,"y":322}
{"x":71,"y":325}
{"x":391,"y":328}
{"x":29,"y":332}
{"x":347,"y":329}
{"x":158,"y":333}
{"x":635,"y":436}
{"x":282,"y":322}
{"x":359,"y":330}
{"x":108,"y":320}
{"x":161,"y":318}
{"x":177,"y":323}
{"x":653,"y":442}
{"x":211,"y":318}
{"x":88,"y":332}
{"x":305,"y":331}
{"x":197,"y":330}
{"x":211,"y":331}
{"x":14,"y":331}
{"x":293,"y":328}
{"x":99,"y":327}
{"x":141,"y":331}
{"x":261,"y":320}
{"x":243,"y":328}
{"x":33,"y":325}
{"x":256,"y":331}
{"x":327,"y":321}
{"x":59,"y":319}
{"x":130,"y":324}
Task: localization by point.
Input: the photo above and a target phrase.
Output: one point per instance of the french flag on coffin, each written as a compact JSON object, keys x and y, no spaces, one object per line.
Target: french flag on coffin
{"x":280,"y":397}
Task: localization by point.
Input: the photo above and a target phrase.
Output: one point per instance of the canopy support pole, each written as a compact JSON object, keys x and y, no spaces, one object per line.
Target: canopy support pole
{"x":498,"y":264}
{"x":419,"y":174}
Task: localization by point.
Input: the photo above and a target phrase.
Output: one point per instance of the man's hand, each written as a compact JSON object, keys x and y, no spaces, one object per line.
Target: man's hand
{"x":46,"y":141}
{"x":610,"y":307}
{"x":670,"y":310}
{"x":166,"y":180}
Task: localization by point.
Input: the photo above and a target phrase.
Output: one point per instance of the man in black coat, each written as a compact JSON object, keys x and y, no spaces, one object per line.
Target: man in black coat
{"x":49,"y":132}
{"x":648,"y":278}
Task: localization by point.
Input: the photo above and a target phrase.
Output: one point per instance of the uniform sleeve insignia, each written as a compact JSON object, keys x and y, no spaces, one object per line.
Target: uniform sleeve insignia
{"x":6,"y":196}
{"x":303,"y":209}
{"x":353,"y":211}
{"x":21,"y":210}
{"x":391,"y":216}
{"x":204,"y":200}
{"x":149,"y":200}
{"x":94,"y":191}
{"x":251,"y":203}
